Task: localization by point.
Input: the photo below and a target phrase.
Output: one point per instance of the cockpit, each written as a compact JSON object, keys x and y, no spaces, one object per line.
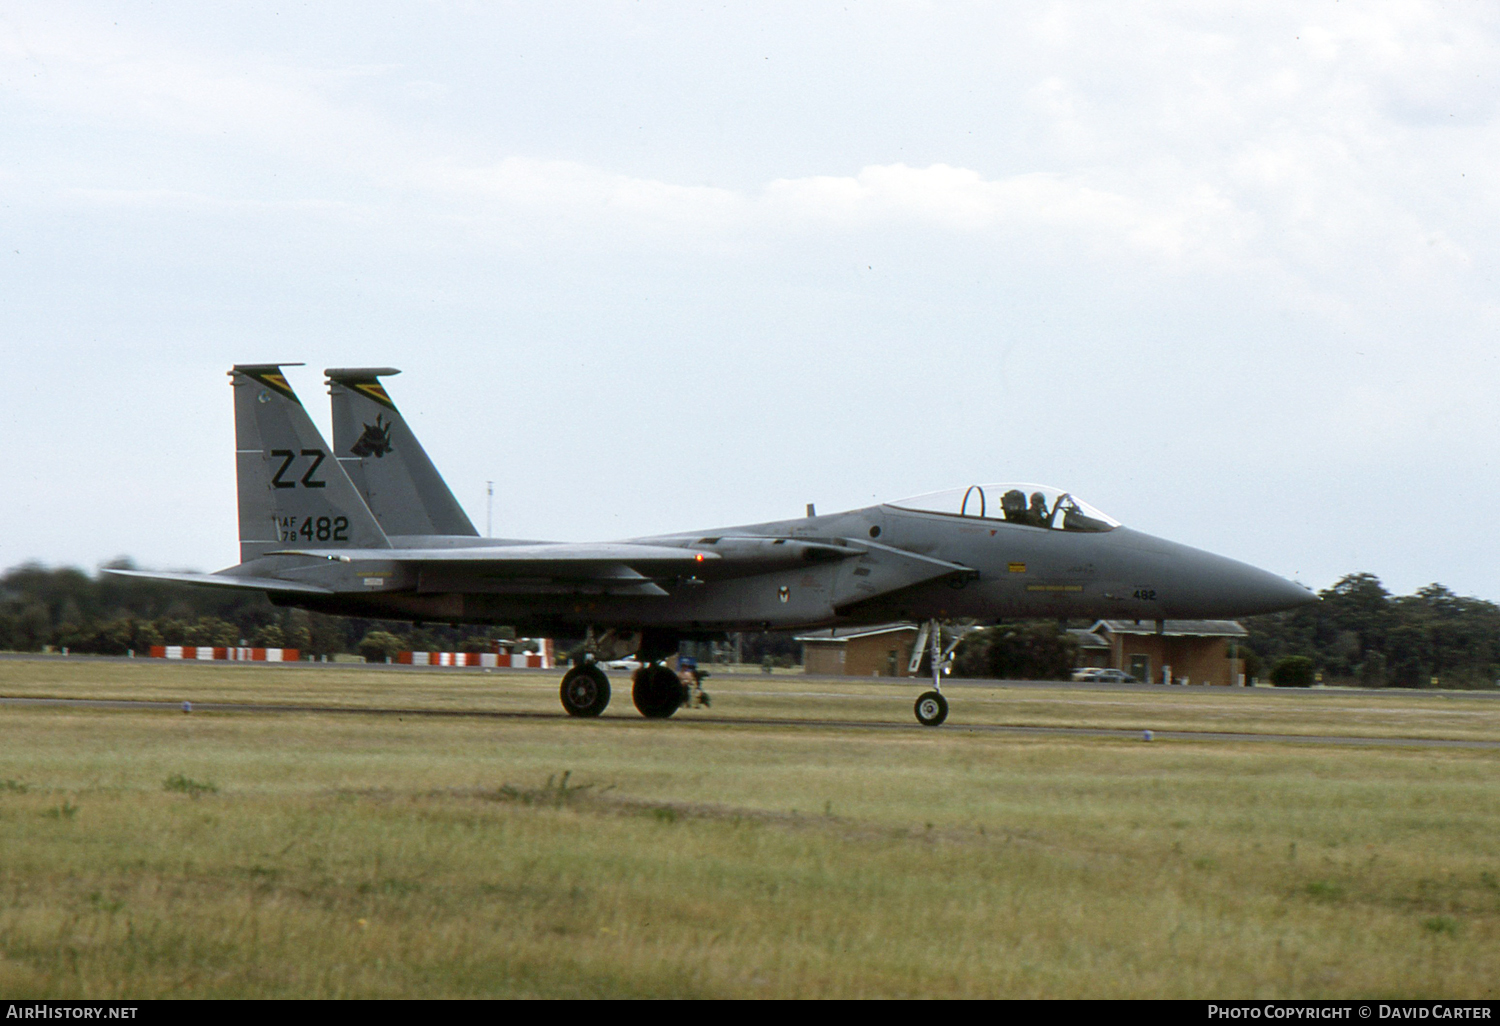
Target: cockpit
{"x":1029,"y":505}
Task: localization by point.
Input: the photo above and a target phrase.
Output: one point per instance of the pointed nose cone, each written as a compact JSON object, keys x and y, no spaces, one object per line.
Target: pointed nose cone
{"x":1201,"y":585}
{"x":1260,"y":592}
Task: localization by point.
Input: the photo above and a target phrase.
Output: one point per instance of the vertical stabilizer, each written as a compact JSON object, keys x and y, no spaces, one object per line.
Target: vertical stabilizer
{"x":385,"y":461}
{"x":291,"y":492}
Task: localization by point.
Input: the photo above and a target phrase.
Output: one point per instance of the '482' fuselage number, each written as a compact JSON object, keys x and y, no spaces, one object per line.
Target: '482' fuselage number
{"x":312,"y":529}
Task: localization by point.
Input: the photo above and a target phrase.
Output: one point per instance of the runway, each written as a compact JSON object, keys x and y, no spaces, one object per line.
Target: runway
{"x":1291,"y":694}
{"x":689,"y":717}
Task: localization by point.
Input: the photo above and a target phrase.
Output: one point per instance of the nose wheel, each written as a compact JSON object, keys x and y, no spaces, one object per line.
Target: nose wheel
{"x":932,"y":709}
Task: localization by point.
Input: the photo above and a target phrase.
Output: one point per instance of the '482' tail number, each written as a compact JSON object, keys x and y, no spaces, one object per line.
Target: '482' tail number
{"x":312,"y":529}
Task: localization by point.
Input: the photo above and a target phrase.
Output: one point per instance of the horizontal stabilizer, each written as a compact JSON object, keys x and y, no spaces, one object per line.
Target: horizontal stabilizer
{"x":226,"y":581}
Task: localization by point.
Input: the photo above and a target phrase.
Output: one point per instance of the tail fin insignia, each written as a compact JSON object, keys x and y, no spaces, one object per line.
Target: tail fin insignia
{"x":375,"y":390}
{"x":270,"y":376}
{"x":376,"y":441}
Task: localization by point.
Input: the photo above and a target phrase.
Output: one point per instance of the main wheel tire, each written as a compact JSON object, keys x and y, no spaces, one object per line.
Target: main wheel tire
{"x":657,"y":692}
{"x":931,"y":709}
{"x":585,"y":690}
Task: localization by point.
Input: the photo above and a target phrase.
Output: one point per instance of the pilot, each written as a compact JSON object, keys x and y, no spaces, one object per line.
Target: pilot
{"x":1013,"y":503}
{"x":1037,"y":515}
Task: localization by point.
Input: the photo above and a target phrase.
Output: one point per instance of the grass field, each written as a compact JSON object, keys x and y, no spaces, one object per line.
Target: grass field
{"x":154,"y":854}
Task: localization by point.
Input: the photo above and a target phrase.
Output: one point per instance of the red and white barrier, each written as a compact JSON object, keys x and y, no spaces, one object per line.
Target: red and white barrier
{"x":259,"y":655}
{"x":534,"y":660}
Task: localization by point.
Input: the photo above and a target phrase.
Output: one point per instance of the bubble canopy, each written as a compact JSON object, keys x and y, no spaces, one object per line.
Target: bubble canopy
{"x":1015,"y":502}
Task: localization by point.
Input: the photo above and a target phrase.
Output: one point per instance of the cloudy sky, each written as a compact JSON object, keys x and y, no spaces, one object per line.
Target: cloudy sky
{"x":1226,"y":270}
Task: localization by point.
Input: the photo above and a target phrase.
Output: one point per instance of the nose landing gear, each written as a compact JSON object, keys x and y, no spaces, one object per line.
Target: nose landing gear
{"x":932,"y":707}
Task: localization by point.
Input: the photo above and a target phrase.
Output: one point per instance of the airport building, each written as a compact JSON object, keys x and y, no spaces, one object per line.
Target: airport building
{"x":883,"y":650}
{"x":1195,"y":651}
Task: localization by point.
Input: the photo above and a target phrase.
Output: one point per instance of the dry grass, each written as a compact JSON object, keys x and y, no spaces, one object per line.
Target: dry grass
{"x":1385,"y":714}
{"x":156,"y":854}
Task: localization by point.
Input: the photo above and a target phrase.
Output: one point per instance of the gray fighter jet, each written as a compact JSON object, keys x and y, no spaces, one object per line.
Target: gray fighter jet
{"x":375,"y":532}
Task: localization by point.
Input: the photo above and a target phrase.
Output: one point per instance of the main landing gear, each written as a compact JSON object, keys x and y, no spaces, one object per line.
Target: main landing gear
{"x":585,"y":690}
{"x":657,"y":691}
{"x":932,"y":707}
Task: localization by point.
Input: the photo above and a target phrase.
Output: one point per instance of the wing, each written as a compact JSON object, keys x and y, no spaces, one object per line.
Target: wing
{"x":634,"y":567}
{"x":614,"y":568}
{"x":227,"y":581}
{"x":521,"y":557}
{"x":706,"y":558}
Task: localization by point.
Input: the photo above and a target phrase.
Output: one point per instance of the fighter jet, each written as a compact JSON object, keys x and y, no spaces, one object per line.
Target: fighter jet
{"x":396,"y":545}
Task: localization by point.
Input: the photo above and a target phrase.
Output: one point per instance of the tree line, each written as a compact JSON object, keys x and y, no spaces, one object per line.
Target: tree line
{"x":1359,"y":634}
{"x":65,"y":608}
{"x":42,"y":608}
{"x":1362,"y":634}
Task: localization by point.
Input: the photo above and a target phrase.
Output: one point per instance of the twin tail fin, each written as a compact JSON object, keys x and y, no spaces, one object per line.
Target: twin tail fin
{"x":291,"y":491}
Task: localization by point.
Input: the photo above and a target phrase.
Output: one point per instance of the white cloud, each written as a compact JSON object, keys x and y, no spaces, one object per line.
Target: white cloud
{"x":1199,"y":225}
{"x":113,"y":81}
{"x":1201,"y":139}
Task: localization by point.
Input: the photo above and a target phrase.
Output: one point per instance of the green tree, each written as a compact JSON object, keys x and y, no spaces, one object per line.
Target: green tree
{"x":1360,"y":633}
{"x":1372,"y":671}
{"x":146,"y":635}
{"x":296,"y":631}
{"x":380,"y":646}
{"x":326,"y":635}
{"x":268,"y":636}
{"x":33,"y":628}
{"x":1293,"y":672}
{"x":1032,"y":650}
{"x":211,"y":631}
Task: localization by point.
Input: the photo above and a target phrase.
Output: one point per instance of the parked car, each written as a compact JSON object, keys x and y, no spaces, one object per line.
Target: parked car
{"x":1114,"y":677}
{"x":1085,"y":673}
{"x":621,"y":664}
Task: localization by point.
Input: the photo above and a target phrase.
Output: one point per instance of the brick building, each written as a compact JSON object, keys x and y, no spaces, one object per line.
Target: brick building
{"x":1196,"y":651}
{"x":883,"y":650}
